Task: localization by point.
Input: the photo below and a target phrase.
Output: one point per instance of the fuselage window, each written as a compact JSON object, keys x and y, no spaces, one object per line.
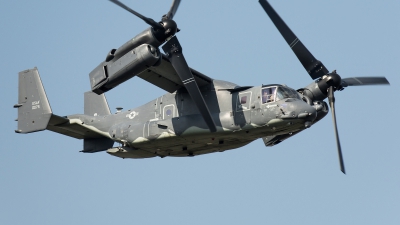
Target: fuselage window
{"x":243,"y":100}
{"x":169,"y":112}
{"x":268,"y":94}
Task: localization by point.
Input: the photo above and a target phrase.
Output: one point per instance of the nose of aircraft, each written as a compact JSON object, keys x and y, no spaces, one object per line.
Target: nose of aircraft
{"x":292,"y":109}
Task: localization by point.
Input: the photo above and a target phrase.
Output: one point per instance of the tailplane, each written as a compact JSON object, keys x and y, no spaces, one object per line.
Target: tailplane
{"x":34,"y":114}
{"x":34,"y":110}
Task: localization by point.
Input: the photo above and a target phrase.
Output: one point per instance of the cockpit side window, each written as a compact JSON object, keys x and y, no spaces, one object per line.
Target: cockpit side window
{"x":268,"y":94}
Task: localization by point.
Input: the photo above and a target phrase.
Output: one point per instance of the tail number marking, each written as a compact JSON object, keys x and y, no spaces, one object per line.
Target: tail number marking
{"x":35,"y":105}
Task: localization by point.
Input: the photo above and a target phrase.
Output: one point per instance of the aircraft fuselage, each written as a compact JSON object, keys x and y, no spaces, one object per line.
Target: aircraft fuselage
{"x":172,"y":126}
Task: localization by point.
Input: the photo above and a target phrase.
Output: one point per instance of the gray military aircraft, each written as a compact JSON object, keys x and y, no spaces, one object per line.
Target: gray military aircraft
{"x":198,"y":115}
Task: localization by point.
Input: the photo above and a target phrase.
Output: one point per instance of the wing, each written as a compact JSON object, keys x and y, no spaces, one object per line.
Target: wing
{"x":165,"y":77}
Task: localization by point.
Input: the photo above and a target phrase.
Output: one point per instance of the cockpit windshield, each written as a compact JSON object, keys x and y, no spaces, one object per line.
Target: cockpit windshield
{"x":285,"y":92}
{"x":272,"y":94}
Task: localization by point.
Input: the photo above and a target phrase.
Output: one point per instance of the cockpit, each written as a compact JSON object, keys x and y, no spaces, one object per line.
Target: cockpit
{"x":276,"y":93}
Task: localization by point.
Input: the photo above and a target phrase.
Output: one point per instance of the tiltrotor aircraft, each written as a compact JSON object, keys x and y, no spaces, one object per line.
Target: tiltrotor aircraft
{"x":199,"y":115}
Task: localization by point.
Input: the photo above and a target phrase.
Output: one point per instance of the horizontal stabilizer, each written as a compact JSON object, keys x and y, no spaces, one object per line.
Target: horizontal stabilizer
{"x":35,"y":114}
{"x":72,"y":127}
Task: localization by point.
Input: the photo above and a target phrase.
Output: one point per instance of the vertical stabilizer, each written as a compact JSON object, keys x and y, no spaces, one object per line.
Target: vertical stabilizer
{"x":34,"y":110}
{"x":96,"y":105}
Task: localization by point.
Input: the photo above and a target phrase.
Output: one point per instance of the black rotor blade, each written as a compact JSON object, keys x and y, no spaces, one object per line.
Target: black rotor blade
{"x":331,"y":98}
{"x":173,"y":9}
{"x":314,"y":67}
{"x":359,"y":81}
{"x":173,"y":50}
{"x":149,"y":21}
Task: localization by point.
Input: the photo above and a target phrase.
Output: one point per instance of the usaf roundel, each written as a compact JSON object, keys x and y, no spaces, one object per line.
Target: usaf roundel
{"x":132,"y":115}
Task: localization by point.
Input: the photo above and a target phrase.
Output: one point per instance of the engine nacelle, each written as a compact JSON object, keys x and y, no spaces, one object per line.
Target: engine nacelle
{"x":117,"y":70}
{"x":318,"y":90}
{"x":146,"y":37}
{"x":314,"y":92}
{"x":130,"y":59}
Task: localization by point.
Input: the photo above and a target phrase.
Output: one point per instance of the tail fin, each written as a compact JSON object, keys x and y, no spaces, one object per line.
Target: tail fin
{"x":34,"y":110}
{"x":96,"y":105}
{"x":34,"y":113}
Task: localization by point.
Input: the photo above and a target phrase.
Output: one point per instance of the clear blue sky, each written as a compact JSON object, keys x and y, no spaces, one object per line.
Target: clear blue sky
{"x":46,"y":180}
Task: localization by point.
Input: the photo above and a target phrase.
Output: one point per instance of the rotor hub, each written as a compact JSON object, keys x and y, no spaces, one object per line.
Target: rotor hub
{"x":334,"y":80}
{"x":170,"y":27}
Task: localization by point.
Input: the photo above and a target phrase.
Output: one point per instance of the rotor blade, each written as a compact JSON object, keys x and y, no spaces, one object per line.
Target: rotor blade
{"x":359,"y":81}
{"x":331,"y":98}
{"x":174,"y":53}
{"x":149,"y":21}
{"x":314,"y":67}
{"x":173,"y":9}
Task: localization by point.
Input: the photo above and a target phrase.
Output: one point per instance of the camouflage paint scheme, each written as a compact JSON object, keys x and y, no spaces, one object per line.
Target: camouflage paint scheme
{"x":198,"y":115}
{"x":171,"y":125}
